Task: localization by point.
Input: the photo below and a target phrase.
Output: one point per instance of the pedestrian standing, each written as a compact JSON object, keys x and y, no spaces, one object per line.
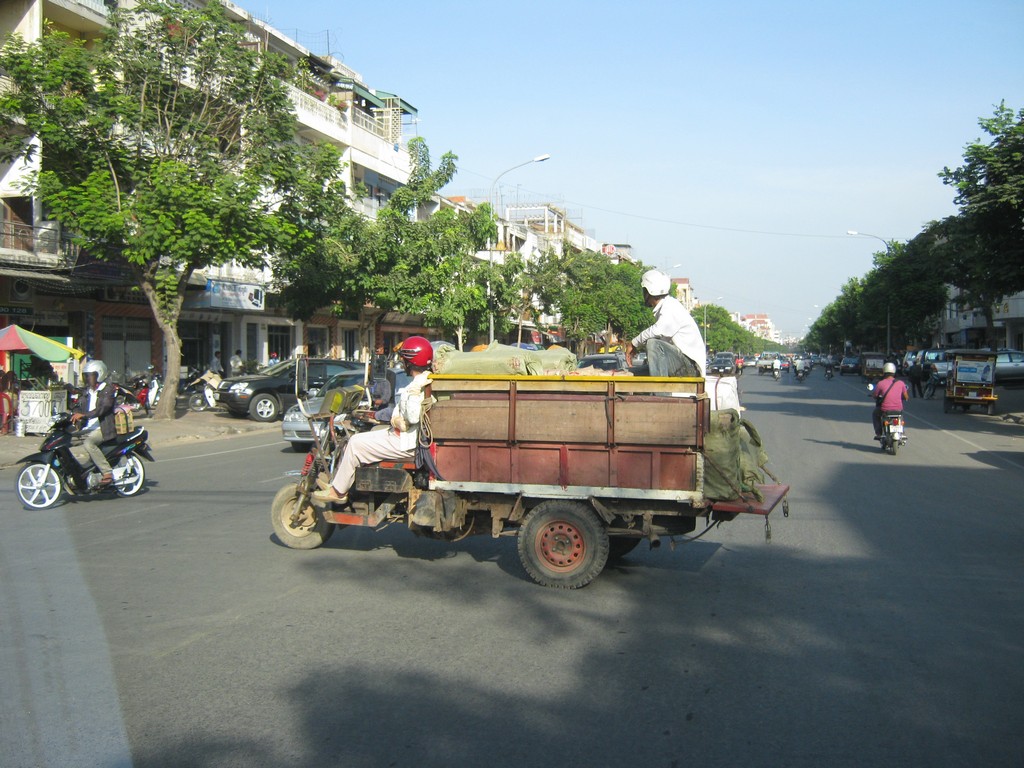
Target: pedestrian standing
{"x":916,"y":376}
{"x":215,"y":364}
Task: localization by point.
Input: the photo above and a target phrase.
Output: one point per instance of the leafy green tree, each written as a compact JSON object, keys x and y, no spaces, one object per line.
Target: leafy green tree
{"x":984,"y":244}
{"x":165,"y":145}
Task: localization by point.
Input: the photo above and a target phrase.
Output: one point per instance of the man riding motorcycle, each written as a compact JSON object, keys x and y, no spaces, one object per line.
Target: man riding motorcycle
{"x":890,"y":394}
{"x":96,"y":408}
{"x":399,"y":441}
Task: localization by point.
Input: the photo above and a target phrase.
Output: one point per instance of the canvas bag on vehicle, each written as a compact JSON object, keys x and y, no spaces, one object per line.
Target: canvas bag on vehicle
{"x":735,"y":457}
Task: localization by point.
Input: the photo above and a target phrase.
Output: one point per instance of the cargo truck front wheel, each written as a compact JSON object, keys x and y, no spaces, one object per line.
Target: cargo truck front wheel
{"x":563,"y":544}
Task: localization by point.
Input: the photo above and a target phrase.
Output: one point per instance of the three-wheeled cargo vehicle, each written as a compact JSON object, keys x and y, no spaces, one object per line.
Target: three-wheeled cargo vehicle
{"x":971,"y":381}
{"x":580,"y":469}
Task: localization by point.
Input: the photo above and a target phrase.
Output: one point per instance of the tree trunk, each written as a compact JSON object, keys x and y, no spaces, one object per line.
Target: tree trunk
{"x":166,"y":316}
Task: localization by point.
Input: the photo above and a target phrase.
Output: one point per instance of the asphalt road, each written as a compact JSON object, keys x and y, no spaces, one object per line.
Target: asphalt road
{"x":881,"y":626}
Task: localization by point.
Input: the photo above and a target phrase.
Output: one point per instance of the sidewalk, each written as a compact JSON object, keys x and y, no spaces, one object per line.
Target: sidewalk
{"x":188,"y":426}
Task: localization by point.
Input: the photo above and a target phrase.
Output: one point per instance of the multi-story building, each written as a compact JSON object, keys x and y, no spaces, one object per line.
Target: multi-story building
{"x":49,"y":286}
{"x":965,"y":326}
{"x":760,"y":325}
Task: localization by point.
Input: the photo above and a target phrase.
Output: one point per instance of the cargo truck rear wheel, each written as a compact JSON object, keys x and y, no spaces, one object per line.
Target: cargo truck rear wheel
{"x":563,"y":544}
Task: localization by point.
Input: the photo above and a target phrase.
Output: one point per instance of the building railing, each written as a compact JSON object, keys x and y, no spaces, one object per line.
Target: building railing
{"x":368,"y":123}
{"x":312,"y":105}
{"x":97,"y":6}
{"x":46,"y":240}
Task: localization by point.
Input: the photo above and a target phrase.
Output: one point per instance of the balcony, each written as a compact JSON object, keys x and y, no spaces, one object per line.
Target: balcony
{"x":321,"y":118}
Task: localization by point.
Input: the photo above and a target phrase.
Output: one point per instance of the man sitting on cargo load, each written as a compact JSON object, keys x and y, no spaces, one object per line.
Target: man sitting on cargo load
{"x":674,"y":344}
{"x":395,"y":443}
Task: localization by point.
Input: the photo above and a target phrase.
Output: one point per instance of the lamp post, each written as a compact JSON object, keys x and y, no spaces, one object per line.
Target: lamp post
{"x":490,"y":253}
{"x":888,"y":306}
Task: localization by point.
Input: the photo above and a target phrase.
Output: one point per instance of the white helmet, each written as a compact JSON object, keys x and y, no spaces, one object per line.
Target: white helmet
{"x":657,"y":283}
{"x":889,"y":368}
{"x":98,"y":367}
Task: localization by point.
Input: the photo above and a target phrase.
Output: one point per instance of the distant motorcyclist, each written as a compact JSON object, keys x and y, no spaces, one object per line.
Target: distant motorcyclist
{"x":96,"y":407}
{"x":890,"y":394}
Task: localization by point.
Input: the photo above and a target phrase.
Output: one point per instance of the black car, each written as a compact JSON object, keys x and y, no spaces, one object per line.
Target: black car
{"x":849,"y":364}
{"x":723,"y":364}
{"x":265,"y":396}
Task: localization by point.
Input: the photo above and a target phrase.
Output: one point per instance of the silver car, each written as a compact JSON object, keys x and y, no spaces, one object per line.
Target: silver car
{"x":295,"y":426}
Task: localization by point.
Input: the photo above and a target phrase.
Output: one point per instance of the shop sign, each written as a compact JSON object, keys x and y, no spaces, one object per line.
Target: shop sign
{"x":13,"y":310}
{"x":221,"y":294}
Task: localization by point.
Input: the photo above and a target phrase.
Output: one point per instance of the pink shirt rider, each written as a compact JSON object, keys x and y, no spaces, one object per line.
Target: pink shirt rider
{"x":895,"y":392}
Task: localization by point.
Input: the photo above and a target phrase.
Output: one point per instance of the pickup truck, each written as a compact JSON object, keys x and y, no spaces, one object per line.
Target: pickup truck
{"x":579,"y":469}
{"x":766,"y":362}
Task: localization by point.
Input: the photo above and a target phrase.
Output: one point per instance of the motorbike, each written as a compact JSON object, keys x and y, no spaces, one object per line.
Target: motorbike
{"x":54,"y":471}
{"x":894,"y":435}
{"x":146,"y":389}
{"x":293,"y":515}
{"x":828,"y":373}
{"x":800,"y":374}
{"x":205,"y":399}
{"x":776,"y":374}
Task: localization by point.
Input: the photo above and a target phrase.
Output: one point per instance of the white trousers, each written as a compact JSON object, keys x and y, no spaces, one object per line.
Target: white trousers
{"x":366,"y":448}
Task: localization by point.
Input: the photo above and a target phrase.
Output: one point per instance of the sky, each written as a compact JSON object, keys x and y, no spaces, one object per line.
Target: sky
{"x":734,"y":142}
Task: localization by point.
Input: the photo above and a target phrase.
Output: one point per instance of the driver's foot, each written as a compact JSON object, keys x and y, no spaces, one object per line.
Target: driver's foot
{"x":330,"y":496}
{"x":106,"y":478}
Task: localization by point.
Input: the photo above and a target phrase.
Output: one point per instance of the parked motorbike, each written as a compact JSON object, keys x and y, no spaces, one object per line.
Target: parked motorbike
{"x":146,"y":388}
{"x":204,"y":399}
{"x":53,"y":470}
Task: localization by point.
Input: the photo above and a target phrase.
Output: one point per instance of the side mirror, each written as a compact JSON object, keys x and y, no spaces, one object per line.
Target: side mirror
{"x":871,"y":387}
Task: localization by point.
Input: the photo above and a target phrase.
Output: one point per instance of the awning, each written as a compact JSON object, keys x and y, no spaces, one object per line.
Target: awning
{"x":28,"y":274}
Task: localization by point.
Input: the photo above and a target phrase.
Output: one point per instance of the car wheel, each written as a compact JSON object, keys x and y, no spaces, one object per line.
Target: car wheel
{"x":264,"y":408}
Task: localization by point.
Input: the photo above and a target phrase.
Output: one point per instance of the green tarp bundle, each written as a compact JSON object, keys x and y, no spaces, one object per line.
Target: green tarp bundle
{"x":735,"y":457}
{"x":503,"y":360}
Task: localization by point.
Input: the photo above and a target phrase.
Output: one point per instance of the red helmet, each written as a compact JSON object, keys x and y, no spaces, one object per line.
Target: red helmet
{"x":417,"y":351}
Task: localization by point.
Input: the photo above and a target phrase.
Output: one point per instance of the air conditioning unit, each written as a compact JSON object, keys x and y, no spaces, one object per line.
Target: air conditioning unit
{"x":21,"y":290}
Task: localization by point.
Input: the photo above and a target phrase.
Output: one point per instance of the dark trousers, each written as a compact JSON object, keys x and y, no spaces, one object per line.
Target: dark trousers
{"x":915,"y":387}
{"x":665,"y":359}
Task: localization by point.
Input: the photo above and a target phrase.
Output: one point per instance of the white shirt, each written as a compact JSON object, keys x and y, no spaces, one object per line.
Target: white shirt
{"x":94,"y":422}
{"x":673,"y":323}
{"x":410,"y":406}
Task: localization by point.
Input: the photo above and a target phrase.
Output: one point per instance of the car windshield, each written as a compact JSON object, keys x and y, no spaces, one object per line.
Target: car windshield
{"x":339,"y":380}
{"x":278,"y":369}
{"x":609,"y":363}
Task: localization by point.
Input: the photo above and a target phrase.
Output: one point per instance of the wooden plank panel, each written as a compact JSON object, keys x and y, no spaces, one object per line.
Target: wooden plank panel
{"x":464,"y":419}
{"x":561,"y":421}
{"x":657,"y":421}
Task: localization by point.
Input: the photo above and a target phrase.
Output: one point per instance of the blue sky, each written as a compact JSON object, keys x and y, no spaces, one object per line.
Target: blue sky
{"x":738,"y":139}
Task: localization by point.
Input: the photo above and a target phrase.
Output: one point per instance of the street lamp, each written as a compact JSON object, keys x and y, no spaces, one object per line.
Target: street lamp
{"x":490,"y":253}
{"x":888,"y":306}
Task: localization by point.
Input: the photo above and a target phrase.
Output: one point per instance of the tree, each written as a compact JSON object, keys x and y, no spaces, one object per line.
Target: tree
{"x":165,"y":145}
{"x":984,"y":244}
